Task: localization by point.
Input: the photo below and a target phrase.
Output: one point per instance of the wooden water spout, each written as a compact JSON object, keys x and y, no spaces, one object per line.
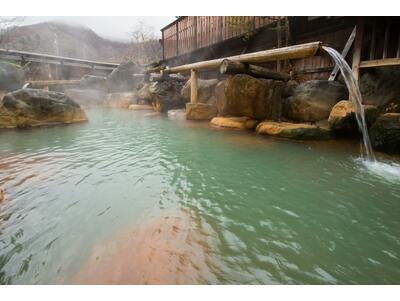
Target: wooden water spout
{"x":278,"y":54}
{"x":284,"y":53}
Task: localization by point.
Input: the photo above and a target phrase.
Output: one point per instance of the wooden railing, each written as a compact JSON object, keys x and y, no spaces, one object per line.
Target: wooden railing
{"x":190,"y":33}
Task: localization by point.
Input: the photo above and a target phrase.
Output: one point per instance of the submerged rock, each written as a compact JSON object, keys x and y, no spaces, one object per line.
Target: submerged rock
{"x":136,"y":107}
{"x":178,"y":114}
{"x":205,"y":90}
{"x":234,"y":122}
{"x":244,"y":95}
{"x":313,"y":100}
{"x":299,"y":131}
{"x":121,"y":79}
{"x":11,"y":77}
{"x":385,"y":133}
{"x":200,"y":111}
{"x":120,"y":100}
{"x":343,"y":117}
{"x":33,"y":107}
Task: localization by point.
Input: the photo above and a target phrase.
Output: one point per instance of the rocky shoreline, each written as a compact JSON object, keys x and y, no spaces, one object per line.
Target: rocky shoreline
{"x":311,"y":110}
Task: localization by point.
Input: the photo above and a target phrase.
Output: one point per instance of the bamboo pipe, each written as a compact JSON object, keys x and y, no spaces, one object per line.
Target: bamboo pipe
{"x":285,"y":53}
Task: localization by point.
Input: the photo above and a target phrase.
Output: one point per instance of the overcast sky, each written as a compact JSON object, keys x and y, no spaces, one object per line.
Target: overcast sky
{"x":109,"y":27}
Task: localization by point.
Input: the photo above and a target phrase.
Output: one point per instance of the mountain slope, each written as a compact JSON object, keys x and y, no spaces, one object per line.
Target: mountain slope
{"x":65,"y":40}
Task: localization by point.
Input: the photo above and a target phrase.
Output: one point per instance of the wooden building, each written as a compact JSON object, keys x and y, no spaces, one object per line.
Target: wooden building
{"x":371,"y":41}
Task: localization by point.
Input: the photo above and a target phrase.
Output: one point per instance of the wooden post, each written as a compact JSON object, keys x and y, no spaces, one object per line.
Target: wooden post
{"x":398,"y":47}
{"x":373,"y":41}
{"x":357,"y":49}
{"x":278,"y":36}
{"x":344,"y":53}
{"x":193,"y":86}
{"x":195,"y":33}
{"x":386,"y":41}
{"x":163,"y":44}
{"x":177,"y":38}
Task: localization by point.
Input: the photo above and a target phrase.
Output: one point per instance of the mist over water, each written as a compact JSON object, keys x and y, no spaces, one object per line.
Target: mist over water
{"x":245,"y":208}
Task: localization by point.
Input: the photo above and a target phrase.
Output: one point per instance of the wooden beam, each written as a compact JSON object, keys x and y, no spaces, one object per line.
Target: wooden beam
{"x":344,"y":53}
{"x":290,"y":52}
{"x":380,"y":63}
{"x":232,"y":67}
{"x":193,"y":86}
{"x":357,"y":49}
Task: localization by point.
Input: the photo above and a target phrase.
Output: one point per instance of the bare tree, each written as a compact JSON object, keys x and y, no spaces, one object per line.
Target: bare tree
{"x":6,"y":24}
{"x":144,"y":47}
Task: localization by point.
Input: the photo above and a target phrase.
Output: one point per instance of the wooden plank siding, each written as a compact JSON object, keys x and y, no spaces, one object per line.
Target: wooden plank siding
{"x":209,"y":37}
{"x":190,"y":33}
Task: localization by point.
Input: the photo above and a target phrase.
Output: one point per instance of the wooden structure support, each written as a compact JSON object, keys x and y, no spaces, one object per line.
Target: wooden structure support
{"x":232,"y":67}
{"x":47,"y":83}
{"x":346,"y":49}
{"x":380,"y":63}
{"x":290,"y":52}
{"x":357,"y":49}
{"x":193,"y":86}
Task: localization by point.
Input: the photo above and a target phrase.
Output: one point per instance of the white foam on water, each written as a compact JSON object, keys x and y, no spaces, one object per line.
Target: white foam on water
{"x":389,"y":171}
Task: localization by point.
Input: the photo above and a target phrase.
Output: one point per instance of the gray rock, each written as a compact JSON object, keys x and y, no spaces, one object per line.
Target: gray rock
{"x":93,"y":82}
{"x":34,"y":107}
{"x":205,"y":90}
{"x":313,"y":100}
{"x":380,"y":86}
{"x":385,"y":133}
{"x":11,"y":76}
{"x":244,"y":95}
{"x":121,"y":79}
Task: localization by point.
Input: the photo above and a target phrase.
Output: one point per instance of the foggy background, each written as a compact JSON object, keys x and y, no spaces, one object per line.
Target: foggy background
{"x":116,"y":28}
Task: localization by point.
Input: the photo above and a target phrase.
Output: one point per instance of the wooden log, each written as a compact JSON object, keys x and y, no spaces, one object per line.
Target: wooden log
{"x":155,"y":69}
{"x":285,"y":53}
{"x":344,"y":53}
{"x":357,"y":49}
{"x":193,"y":86}
{"x":380,"y":63}
{"x":232,"y":67}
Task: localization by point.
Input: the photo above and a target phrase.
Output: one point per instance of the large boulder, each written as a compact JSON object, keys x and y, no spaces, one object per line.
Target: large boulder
{"x":313,"y":100}
{"x":165,"y":95}
{"x":33,"y":107}
{"x":121,"y":79}
{"x":244,"y":122}
{"x":120,"y":100}
{"x":298,"y":131}
{"x":244,"y":95}
{"x":93,"y":82}
{"x":343,"y":116}
{"x":385,"y":133}
{"x":379,"y":86}
{"x":11,"y":77}
{"x":205,"y":90}
{"x":200,"y":111}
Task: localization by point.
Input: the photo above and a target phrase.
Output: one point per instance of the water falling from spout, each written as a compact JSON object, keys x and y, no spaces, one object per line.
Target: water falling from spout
{"x":355,"y":97}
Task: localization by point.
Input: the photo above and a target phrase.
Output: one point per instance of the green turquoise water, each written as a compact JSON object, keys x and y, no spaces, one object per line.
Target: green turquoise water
{"x":273,"y":211}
